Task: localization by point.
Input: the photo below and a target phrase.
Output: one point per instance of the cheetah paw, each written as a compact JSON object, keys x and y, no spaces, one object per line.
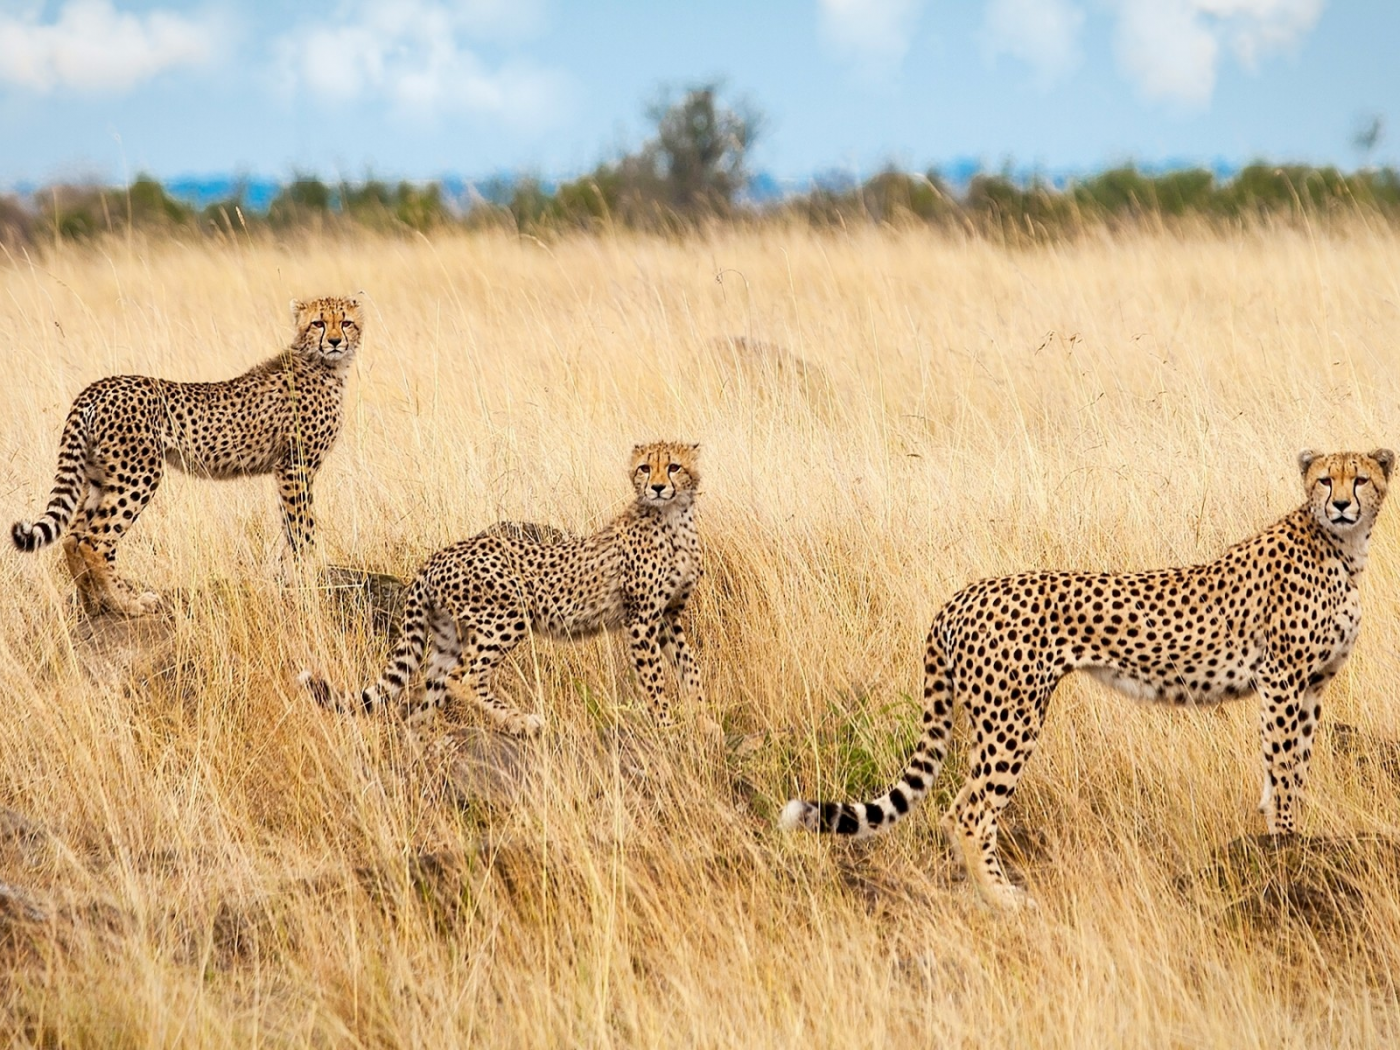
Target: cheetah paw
{"x":523,"y":725}
{"x":130,"y":605}
{"x":1008,"y":898}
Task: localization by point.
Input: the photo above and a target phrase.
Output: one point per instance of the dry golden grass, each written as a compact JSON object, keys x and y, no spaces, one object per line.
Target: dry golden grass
{"x":214,"y":862}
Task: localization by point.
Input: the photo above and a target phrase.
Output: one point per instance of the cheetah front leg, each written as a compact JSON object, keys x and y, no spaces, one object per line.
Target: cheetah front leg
{"x":673,"y":642}
{"x":1281,"y":716}
{"x":682,"y":657}
{"x":644,"y":630}
{"x":294,"y":477}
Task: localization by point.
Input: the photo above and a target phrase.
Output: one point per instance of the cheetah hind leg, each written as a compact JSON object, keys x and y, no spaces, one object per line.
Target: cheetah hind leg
{"x":442,"y":665}
{"x":99,"y":587}
{"x":993,"y":887}
{"x":971,"y":823}
{"x":485,"y":649}
{"x":108,"y":512}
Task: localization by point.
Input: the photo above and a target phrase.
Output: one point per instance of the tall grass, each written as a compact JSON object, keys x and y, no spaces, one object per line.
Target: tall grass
{"x":218,"y":863}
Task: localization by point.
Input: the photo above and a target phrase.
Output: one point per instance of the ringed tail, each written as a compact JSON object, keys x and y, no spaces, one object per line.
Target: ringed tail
{"x":68,"y":489}
{"x":860,"y":820}
{"x":403,"y":661}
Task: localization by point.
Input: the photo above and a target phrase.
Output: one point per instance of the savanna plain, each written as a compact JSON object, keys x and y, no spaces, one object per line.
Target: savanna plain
{"x":192,"y":854}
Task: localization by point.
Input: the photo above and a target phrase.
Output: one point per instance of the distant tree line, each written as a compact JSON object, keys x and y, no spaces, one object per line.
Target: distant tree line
{"x":692,"y":172}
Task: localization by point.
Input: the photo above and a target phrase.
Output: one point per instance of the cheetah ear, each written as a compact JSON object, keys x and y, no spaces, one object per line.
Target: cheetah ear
{"x":1386,"y":459}
{"x":637,"y":451}
{"x":1306,"y":458}
{"x":694,"y":446}
{"x":297,"y":307}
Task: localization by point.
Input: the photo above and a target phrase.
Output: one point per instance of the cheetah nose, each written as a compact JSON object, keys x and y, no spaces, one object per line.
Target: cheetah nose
{"x":334,"y":340}
{"x":1341,"y":504}
{"x":658,"y":489}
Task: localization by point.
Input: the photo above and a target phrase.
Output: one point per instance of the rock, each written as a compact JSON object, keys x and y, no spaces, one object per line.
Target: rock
{"x":768,"y":372}
{"x":364,"y":595}
{"x":532,"y":531}
{"x":110,"y":648}
{"x":25,"y":836}
{"x":19,"y":905}
{"x":479,"y":765}
{"x":1320,"y":882}
{"x":1363,"y":748}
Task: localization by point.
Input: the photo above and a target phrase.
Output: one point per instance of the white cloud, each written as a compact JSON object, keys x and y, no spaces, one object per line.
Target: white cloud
{"x":872,"y":34}
{"x":418,"y":56}
{"x":92,"y":46}
{"x":1171,"y":48}
{"x":1042,"y":33}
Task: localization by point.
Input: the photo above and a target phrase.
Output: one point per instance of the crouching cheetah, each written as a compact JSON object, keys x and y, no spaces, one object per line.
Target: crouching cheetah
{"x":281,"y":417}
{"x":1276,"y":614}
{"x":476,"y":599}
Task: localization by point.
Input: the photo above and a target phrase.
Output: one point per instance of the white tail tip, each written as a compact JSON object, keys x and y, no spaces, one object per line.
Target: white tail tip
{"x":793,"y":816}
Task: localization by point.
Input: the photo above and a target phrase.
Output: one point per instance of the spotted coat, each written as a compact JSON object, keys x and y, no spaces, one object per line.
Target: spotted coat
{"x":475,"y":600}
{"x":281,"y":417}
{"x":1276,"y":614}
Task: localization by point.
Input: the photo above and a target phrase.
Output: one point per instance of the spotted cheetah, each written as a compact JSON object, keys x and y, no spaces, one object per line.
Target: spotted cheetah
{"x":280,"y":417}
{"x":476,"y":599}
{"x":1276,"y":614}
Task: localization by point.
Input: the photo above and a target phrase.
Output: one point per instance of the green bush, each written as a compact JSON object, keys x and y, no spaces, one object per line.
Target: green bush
{"x":304,"y":201}
{"x":676,"y":182}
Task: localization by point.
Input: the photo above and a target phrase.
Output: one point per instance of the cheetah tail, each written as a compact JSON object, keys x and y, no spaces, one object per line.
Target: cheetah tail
{"x":403,"y":661}
{"x":322,"y":692}
{"x":860,"y":820}
{"x":68,"y":489}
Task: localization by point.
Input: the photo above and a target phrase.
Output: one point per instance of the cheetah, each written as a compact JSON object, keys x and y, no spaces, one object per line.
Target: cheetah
{"x":476,"y":599}
{"x":281,"y":417}
{"x":1276,"y":614}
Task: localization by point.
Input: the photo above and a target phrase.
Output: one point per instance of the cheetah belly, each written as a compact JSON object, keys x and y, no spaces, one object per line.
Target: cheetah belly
{"x":687,"y":573}
{"x":1171,"y":690}
{"x":222,"y":441}
{"x":579,"y":613}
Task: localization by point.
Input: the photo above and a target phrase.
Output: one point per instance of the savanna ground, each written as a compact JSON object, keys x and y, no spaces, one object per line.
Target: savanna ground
{"x":192,"y":855}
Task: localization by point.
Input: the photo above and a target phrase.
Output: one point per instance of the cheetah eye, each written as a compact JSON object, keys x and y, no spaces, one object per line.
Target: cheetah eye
{"x":1325,"y":481}
{"x":318,"y":323}
{"x":1361,"y":481}
{"x":347,"y":323}
{"x":645,"y":468}
{"x":673,"y":468}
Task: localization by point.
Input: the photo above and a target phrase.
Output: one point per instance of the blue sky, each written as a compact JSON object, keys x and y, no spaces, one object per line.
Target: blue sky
{"x":422,"y":88}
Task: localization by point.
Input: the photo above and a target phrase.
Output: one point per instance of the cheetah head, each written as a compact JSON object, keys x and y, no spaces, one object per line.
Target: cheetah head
{"x":664,"y":473}
{"x":1345,"y":489}
{"x":327,"y":328}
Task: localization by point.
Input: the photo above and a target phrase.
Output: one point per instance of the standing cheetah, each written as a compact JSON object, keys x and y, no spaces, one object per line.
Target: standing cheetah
{"x":477,"y":598}
{"x":281,"y":417}
{"x":1276,"y":614}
